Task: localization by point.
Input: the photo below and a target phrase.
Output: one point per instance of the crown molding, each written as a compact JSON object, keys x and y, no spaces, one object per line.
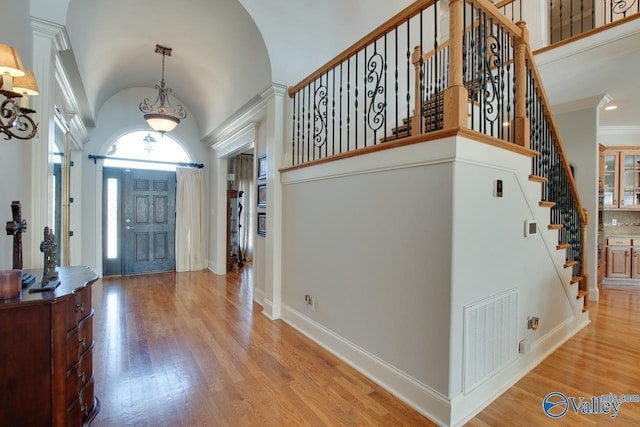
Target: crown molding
{"x":619,"y":130}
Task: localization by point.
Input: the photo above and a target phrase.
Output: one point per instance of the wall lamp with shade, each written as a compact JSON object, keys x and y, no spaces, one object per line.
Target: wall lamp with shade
{"x":161,"y":115}
{"x":17,"y":85}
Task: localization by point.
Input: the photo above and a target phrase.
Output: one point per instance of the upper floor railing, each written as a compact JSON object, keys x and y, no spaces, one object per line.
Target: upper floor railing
{"x":569,"y":18}
{"x":438,"y":68}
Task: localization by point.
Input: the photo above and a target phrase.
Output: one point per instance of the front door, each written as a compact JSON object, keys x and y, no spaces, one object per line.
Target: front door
{"x":149,"y":221}
{"x":138,"y":221}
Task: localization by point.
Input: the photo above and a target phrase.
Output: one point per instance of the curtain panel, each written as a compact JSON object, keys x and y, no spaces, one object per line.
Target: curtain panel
{"x":243,"y":181}
{"x":190,"y":226}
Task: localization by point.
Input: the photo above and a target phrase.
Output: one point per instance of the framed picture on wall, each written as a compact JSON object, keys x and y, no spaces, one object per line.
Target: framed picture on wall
{"x":262,"y":223}
{"x":262,"y":167}
{"x":262,"y":195}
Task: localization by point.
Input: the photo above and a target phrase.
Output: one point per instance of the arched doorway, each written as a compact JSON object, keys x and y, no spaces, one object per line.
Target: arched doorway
{"x":139,"y":194}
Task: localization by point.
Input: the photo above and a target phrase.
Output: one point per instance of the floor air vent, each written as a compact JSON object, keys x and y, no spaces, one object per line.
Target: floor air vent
{"x":490,"y":337}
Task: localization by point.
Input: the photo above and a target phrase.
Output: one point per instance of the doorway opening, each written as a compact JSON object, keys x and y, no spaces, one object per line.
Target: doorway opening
{"x":139,"y":203}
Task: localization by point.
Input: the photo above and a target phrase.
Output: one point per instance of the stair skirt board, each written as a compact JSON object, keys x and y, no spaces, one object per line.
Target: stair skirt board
{"x":490,"y":337}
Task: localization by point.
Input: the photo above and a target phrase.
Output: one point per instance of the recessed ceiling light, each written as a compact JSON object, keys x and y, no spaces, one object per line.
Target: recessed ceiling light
{"x":610,"y":107}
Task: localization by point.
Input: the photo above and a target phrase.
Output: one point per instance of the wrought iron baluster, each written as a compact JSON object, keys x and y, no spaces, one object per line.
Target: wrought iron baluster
{"x":293,"y":131}
{"x":386,"y":85}
{"x":333,"y":112}
{"x":355,"y":96}
{"x":408,"y":66}
{"x":348,"y":103}
{"x":341,"y":106}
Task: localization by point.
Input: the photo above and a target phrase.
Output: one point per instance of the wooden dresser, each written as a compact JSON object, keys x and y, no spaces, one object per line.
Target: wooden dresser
{"x":46,"y":369}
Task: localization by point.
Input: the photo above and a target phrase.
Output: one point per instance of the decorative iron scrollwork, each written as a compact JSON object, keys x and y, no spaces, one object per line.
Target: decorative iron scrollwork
{"x":620,"y":7}
{"x":320,"y":116}
{"x":375,"y":113}
{"x":15,"y":120}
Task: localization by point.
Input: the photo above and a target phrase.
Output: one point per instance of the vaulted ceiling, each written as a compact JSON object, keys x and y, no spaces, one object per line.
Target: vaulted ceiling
{"x":225,"y":52}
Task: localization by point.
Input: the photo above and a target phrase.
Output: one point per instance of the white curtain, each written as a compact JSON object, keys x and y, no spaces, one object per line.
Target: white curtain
{"x":243,"y":181}
{"x":190,"y":219}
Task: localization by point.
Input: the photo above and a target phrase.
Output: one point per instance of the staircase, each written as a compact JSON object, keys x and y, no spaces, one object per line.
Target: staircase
{"x":433,"y":120}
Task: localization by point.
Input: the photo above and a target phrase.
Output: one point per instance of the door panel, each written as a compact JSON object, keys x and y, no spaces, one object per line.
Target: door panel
{"x":149,"y":219}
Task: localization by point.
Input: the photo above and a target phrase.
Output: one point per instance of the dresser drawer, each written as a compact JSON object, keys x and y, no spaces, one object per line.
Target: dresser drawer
{"x":79,"y":340}
{"x":618,"y":241}
{"x":85,"y":368}
{"x":74,"y":415}
{"x":78,"y":307}
{"x":86,"y":399}
{"x":85,"y":334}
{"x":79,"y":375}
{"x":73,"y":384}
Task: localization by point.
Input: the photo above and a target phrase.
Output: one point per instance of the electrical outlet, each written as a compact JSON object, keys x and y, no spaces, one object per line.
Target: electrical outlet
{"x":310,"y":302}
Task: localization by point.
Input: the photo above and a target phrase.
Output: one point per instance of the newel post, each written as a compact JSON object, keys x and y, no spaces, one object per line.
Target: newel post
{"x":456,"y":96}
{"x":417,"y":112}
{"x":584,"y":283}
{"x":523,"y":124}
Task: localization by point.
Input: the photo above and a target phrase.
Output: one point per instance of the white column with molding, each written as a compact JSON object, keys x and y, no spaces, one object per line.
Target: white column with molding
{"x":276,"y":105}
{"x":48,"y":38}
{"x":535,"y":14}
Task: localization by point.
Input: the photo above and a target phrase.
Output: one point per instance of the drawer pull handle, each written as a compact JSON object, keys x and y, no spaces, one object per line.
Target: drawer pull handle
{"x":82,"y":376}
{"x":82,"y":341}
{"x":80,"y":307}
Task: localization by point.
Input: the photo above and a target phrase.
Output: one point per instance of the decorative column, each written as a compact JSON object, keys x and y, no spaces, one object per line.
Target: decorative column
{"x":48,"y":39}
{"x":523,"y":124}
{"x":456,"y":96}
{"x":276,"y":98}
{"x":536,"y":14}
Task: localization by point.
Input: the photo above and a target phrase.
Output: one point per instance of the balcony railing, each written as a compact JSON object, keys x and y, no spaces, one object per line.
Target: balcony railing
{"x":438,"y":68}
{"x":569,"y":18}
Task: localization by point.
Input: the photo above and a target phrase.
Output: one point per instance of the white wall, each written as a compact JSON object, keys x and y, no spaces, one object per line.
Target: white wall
{"x":622,"y":136}
{"x":15,"y":163}
{"x":579,"y":133}
{"x":118,"y":116}
{"x":392,"y":246}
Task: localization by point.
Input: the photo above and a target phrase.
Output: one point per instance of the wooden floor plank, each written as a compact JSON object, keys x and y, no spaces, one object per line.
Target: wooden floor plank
{"x":194,"y":349}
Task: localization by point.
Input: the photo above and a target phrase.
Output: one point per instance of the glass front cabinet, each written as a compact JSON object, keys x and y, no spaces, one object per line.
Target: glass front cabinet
{"x":620,"y":176}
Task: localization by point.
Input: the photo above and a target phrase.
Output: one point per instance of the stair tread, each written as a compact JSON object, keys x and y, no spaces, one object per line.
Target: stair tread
{"x":561,"y":246}
{"x":582,"y":294}
{"x":587,"y":306}
{"x":555,"y":226}
{"x":546,"y":204}
{"x":536,"y":178}
{"x":576,"y":279}
{"x":570,"y":264}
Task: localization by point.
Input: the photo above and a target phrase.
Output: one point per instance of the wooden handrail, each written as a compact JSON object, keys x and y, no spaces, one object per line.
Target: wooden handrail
{"x":504,"y":3}
{"x":554,"y":128}
{"x":491,"y":10}
{"x":388,"y":26}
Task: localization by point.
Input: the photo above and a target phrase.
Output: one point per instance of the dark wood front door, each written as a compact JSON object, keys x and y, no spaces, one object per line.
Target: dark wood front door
{"x":149,"y":221}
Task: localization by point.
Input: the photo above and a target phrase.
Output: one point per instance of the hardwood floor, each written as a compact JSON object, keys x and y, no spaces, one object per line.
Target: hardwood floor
{"x":193,"y":349}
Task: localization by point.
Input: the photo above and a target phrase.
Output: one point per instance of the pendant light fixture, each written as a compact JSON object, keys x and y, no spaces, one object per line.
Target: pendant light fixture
{"x":161,"y":115}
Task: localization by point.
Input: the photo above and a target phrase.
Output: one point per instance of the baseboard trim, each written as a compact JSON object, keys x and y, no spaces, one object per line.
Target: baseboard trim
{"x":267,"y":308}
{"x":258,"y":296}
{"x":419,"y":396}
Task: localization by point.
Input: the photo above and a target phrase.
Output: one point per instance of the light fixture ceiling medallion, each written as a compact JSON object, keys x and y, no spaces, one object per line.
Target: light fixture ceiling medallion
{"x":161,"y":115}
